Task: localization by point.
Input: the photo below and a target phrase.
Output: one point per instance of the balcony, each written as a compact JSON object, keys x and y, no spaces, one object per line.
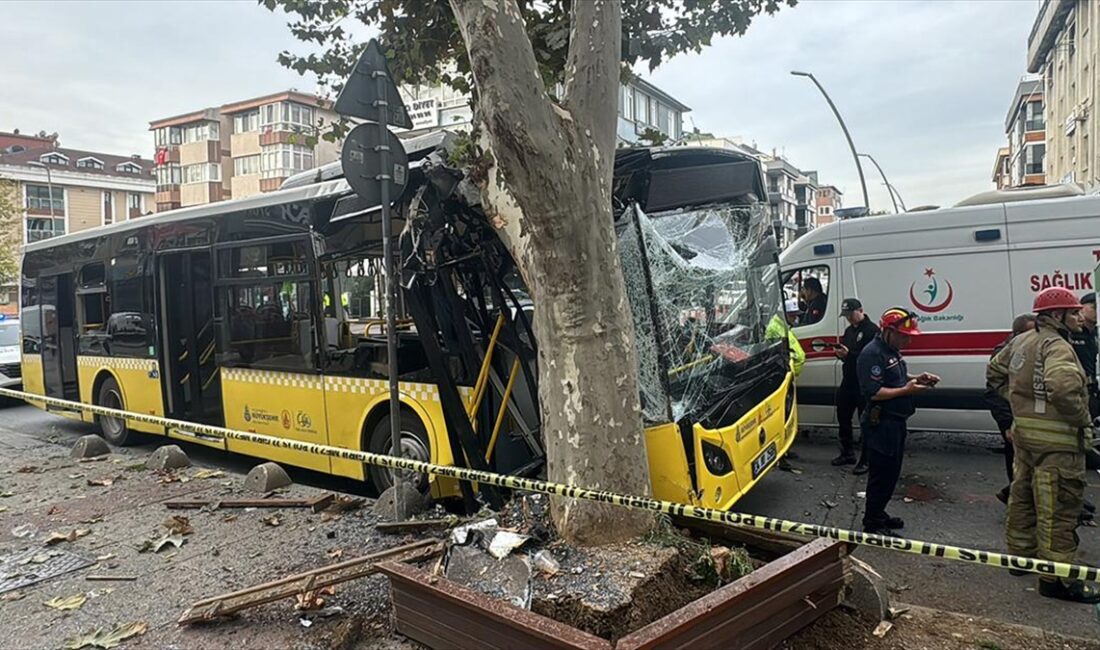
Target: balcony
{"x":299,"y":137}
{"x":168,"y":194}
{"x":1034,"y":168}
{"x":1035,"y":125}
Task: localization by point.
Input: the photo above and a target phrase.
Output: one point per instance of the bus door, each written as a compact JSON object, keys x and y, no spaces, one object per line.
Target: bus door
{"x":185,"y":300}
{"x":58,"y":337}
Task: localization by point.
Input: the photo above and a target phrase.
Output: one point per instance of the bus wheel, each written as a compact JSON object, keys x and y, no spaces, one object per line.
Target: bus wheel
{"x":414,"y":445}
{"x":113,"y":430}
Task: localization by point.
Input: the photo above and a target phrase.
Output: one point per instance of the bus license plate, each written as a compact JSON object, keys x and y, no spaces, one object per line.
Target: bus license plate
{"x":761,"y":462}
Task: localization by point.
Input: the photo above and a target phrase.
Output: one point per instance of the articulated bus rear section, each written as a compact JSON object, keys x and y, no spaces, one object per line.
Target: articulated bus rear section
{"x":261,"y":314}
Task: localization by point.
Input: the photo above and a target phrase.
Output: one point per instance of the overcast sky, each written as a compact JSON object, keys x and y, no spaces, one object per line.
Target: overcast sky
{"x":924,"y":86}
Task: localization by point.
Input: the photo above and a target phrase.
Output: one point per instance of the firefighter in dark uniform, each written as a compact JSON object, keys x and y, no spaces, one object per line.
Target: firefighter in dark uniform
{"x":998,"y":404}
{"x":860,"y":332}
{"x":888,"y":389}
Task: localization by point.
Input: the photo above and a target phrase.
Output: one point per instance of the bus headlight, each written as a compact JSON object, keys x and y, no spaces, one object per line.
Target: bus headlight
{"x":716,"y":459}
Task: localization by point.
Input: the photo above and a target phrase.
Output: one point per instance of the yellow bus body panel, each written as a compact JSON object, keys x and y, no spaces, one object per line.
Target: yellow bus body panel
{"x":138,"y":379}
{"x":669,"y":475}
{"x":34,"y":381}
{"x":277,"y":404}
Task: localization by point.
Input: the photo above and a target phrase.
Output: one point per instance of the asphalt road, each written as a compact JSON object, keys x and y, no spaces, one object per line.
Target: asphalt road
{"x":952,"y":477}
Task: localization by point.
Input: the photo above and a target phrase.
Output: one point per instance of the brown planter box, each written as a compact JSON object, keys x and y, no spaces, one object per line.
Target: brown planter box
{"x":758,"y":611}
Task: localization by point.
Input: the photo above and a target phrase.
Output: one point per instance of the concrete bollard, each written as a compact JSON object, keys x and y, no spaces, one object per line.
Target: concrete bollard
{"x":89,"y":446}
{"x":266,"y":477}
{"x":867,"y":592}
{"x":168,"y":457}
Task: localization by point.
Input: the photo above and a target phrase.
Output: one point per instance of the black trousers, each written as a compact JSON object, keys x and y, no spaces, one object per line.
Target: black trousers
{"x":883,"y":469}
{"x":848,"y":403}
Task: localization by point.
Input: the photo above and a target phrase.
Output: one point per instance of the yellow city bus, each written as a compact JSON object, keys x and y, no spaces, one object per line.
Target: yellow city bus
{"x":262,"y":314}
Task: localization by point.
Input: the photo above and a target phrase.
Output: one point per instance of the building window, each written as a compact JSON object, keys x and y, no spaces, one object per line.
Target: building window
{"x":1034,"y":156}
{"x":89,"y":163}
{"x":246,"y":122}
{"x":201,"y":132}
{"x":108,"y":208}
{"x":168,"y":175}
{"x":246,"y":165}
{"x":628,"y":107}
{"x":53,"y":159}
{"x":44,"y":228}
{"x":167,"y":135}
{"x":202,"y":173}
{"x":1034,"y":116}
{"x":663,"y":122}
{"x":134,"y":202}
{"x":128,"y":168}
{"x":39,"y":199}
{"x":285,"y":159}
{"x":641,"y":108}
{"x":286,"y":116}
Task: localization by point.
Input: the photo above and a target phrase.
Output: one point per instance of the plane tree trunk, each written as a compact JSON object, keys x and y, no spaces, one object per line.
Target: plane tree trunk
{"x":546,"y":188}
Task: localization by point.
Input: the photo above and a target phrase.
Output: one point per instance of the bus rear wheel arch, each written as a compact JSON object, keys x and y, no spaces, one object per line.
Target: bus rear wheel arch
{"x":114,"y":430}
{"x":414,"y":445}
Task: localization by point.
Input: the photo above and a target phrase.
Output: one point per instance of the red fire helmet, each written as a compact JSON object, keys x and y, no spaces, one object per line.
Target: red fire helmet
{"x":1055,"y":298}
{"x":899,"y":319}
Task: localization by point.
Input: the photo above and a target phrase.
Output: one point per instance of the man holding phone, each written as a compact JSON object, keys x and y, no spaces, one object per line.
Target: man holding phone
{"x":885,"y":382}
{"x":857,"y":335}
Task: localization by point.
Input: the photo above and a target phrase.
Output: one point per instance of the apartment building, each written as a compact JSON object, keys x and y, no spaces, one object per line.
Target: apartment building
{"x":829,"y":200}
{"x":1063,"y":48}
{"x":14,"y":142}
{"x":67,"y":190}
{"x":1002,"y":177}
{"x":240,"y":149}
{"x":642,"y":107}
{"x":1026,"y":129}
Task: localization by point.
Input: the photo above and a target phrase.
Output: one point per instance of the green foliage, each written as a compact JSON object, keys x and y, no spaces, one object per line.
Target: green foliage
{"x":11,"y":231}
{"x":424,"y":45}
{"x":706,"y":563}
{"x":652,"y":137}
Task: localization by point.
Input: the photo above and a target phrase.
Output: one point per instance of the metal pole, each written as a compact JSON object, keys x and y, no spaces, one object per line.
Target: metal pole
{"x":889,"y":187}
{"x":384,"y":178}
{"x":844,"y":127}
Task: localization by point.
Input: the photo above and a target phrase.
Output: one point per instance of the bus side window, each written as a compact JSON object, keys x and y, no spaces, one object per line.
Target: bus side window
{"x":92,"y":300}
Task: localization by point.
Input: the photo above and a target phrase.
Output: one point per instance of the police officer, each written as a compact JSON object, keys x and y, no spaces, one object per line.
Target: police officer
{"x":888,"y":388}
{"x":1050,"y":430}
{"x":857,"y":335}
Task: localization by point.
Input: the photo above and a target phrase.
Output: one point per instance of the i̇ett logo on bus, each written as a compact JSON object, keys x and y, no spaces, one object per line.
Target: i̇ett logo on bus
{"x":938,"y":299}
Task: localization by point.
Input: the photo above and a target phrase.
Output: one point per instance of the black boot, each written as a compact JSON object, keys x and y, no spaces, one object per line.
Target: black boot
{"x":1089,"y":506}
{"x":1002,"y":496}
{"x":896,"y":523}
{"x":860,"y":468}
{"x":1076,"y":591}
{"x":846,"y":457}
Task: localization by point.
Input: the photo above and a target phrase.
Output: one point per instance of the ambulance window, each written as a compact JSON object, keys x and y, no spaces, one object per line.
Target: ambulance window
{"x":806,"y":295}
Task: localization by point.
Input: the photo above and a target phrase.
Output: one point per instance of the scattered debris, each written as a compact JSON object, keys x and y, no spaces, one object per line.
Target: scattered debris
{"x":335,"y":553}
{"x":504,"y":542}
{"x":316,"y":504}
{"x":208,"y":473}
{"x":107,"y":640}
{"x":179,"y":525}
{"x":311,"y":600}
{"x":459,"y":534}
{"x":53,"y":510}
{"x":273,"y":520}
{"x":24,"y":531}
{"x":829,"y":504}
{"x":7,"y":493}
{"x":71,"y":536}
{"x":99,"y":577}
{"x":71,"y":602}
{"x":13,"y":596}
{"x":30,"y":469}
{"x":155,"y":545}
{"x":882,"y":628}
{"x":343,"y":503}
{"x":413,"y":525}
{"x":546,"y":563}
{"x":101,"y":482}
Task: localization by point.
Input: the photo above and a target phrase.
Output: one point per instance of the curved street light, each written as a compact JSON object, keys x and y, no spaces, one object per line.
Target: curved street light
{"x":890,"y":188}
{"x":844,"y":127}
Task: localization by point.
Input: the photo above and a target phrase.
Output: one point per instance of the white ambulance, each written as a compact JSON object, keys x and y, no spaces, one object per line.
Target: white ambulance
{"x":967,"y":270}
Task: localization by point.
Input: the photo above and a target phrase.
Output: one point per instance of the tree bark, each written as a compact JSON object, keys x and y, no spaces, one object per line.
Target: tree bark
{"x":548,"y":192}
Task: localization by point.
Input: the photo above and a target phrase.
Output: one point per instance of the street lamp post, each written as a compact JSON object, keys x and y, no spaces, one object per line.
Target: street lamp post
{"x":844,"y":127}
{"x":890,"y":188}
{"x":49,"y":188}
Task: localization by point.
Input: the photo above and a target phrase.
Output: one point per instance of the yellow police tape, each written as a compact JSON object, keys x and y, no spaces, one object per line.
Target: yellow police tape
{"x":915,"y":547}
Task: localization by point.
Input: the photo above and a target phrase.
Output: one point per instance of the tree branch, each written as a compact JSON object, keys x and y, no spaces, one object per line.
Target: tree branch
{"x":592,"y":69}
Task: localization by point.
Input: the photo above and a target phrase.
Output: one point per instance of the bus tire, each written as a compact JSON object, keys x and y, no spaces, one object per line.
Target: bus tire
{"x":414,"y":445}
{"x":113,"y":430}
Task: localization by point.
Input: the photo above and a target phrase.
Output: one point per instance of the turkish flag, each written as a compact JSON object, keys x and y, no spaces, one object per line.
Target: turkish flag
{"x":162,"y":156}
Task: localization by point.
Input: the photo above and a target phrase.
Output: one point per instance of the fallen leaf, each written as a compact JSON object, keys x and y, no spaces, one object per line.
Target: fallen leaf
{"x":3,"y":508}
{"x":311,"y":600}
{"x":882,"y":628}
{"x":273,"y":520}
{"x":53,"y":510}
{"x":178,"y":524}
{"x":106,"y":640}
{"x":93,"y":520}
{"x":209,"y":473}
{"x":72,"y":602}
{"x":4,"y":495}
{"x":71,"y":536}
{"x":101,"y":482}
{"x":173,"y":539}
{"x":229,"y":518}
{"x":13,"y":595}
{"x":335,"y":553}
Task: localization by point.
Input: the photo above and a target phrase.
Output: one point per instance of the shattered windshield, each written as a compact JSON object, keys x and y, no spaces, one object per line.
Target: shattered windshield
{"x":702,"y":299}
